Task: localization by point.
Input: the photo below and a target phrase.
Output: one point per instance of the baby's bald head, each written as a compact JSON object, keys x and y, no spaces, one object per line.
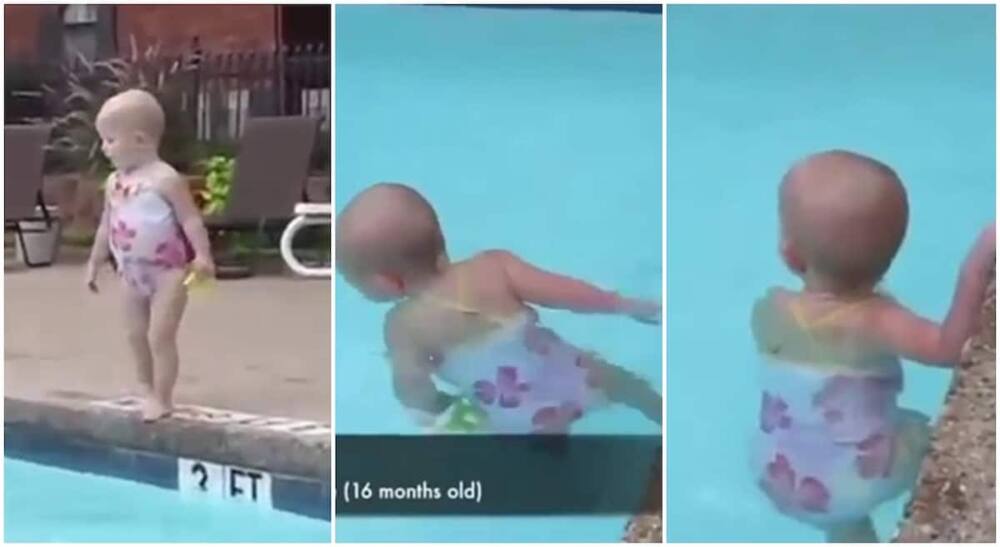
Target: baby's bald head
{"x":132,"y":110}
{"x":386,"y":234}
{"x":843,"y":216}
{"x":131,"y":125}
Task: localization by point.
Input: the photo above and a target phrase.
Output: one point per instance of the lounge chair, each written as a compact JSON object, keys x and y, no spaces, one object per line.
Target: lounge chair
{"x":306,"y":214}
{"x":24,"y":159}
{"x":269,"y":175}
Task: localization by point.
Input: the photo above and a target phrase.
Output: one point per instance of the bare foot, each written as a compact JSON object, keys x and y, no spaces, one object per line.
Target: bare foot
{"x":153,"y":409}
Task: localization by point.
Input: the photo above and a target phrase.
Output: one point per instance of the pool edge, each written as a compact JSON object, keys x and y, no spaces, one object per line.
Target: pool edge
{"x":122,"y":445}
{"x":955,"y":497}
{"x":647,"y":525}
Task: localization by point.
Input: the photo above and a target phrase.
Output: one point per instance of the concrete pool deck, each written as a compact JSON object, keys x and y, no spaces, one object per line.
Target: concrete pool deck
{"x":955,"y":498}
{"x":259,"y":346}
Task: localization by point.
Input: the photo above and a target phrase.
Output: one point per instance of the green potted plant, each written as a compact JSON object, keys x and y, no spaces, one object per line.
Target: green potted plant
{"x":231,"y":248}
{"x":218,"y":179}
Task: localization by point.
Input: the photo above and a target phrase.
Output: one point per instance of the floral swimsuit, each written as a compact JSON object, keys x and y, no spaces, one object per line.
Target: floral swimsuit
{"x":523,"y":378}
{"x":831,"y":443}
{"x":145,"y":238}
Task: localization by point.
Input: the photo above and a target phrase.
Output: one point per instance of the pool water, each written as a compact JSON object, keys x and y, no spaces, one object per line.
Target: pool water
{"x":750,"y":89}
{"x":49,"y":504}
{"x":537,"y":131}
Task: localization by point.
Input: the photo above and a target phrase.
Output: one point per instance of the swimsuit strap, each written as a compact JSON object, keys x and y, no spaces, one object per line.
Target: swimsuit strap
{"x":810,"y":327}
{"x":139,"y":187}
{"x":810,"y":324}
{"x":459,"y":304}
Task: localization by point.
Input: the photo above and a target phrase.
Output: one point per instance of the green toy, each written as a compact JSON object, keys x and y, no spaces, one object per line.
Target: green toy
{"x":465,"y":416}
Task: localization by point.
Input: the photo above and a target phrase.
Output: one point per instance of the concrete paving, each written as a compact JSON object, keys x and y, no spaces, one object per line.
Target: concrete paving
{"x":259,"y":345}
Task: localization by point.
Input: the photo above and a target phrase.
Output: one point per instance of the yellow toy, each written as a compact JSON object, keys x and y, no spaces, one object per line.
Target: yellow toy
{"x":196,"y":282}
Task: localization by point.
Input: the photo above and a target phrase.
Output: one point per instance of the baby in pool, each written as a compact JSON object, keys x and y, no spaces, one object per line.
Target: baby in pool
{"x":154,"y":232}
{"x":832,"y":443}
{"x":470,"y":325}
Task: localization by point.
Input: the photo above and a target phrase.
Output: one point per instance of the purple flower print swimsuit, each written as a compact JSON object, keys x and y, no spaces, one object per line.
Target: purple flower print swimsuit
{"x":145,"y":237}
{"x":831,"y":443}
{"x":524,"y":377}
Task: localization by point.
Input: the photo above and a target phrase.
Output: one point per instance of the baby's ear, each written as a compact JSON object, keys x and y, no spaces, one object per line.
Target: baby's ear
{"x":792,"y":257}
{"x":388,"y":286}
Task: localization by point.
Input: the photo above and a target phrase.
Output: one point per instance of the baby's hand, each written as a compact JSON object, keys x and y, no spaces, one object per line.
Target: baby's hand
{"x":983,"y":254}
{"x":90,"y":278}
{"x":204,"y":266}
{"x":643,"y":311}
{"x":988,"y":239}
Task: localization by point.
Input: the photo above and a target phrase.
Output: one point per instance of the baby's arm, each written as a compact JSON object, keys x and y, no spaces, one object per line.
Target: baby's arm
{"x":411,"y":372}
{"x":927,"y":342}
{"x":762,"y":324}
{"x":176,"y":191}
{"x":100,"y":251}
{"x":552,"y":290}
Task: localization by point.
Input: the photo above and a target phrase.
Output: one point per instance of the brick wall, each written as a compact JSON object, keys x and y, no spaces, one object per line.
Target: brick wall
{"x":218,"y":27}
{"x":21,"y":26}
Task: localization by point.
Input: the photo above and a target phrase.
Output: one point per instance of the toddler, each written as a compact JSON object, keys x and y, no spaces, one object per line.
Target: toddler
{"x":832,"y":443}
{"x":154,"y":232}
{"x":470,"y":324}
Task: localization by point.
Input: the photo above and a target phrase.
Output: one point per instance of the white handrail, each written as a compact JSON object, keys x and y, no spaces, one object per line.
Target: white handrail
{"x":307,"y":214}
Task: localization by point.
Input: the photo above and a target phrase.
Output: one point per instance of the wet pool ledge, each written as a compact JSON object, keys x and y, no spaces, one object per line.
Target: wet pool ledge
{"x":955,"y":498}
{"x":90,"y":438}
{"x":647,"y":525}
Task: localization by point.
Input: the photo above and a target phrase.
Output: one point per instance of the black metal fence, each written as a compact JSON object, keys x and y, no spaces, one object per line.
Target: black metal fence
{"x":229,"y":87}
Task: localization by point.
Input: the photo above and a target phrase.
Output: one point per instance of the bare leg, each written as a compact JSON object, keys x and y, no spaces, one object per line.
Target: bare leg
{"x":861,"y":531}
{"x":136,"y":309}
{"x":165,"y":319}
{"x":623,"y":386}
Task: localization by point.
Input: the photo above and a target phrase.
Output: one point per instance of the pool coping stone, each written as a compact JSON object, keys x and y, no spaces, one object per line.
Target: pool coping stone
{"x":955,"y":497}
{"x":111,"y":442}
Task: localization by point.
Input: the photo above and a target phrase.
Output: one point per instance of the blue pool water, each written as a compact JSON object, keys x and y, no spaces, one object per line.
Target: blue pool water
{"x":537,"y":131}
{"x":49,"y":504}
{"x":749,"y":90}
